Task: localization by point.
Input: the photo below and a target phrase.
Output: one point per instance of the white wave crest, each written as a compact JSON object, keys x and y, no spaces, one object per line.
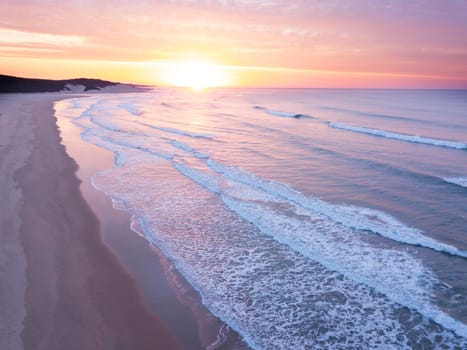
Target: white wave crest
{"x":283,"y":114}
{"x":403,"y":137}
{"x":309,"y":229}
{"x":460,"y":181}
{"x":366,"y":219}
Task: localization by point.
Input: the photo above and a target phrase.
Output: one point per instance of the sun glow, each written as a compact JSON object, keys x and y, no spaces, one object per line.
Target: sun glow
{"x":196,"y":75}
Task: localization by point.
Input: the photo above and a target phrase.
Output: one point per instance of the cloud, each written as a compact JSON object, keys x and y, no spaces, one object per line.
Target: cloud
{"x":19,"y":38}
{"x":381,"y":36}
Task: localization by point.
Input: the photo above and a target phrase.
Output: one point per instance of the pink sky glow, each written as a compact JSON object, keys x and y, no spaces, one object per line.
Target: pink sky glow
{"x":307,"y":43}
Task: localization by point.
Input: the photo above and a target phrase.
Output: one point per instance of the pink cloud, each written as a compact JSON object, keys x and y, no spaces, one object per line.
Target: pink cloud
{"x":416,"y":37}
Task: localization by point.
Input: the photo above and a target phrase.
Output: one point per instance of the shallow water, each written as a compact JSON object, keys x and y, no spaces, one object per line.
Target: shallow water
{"x":305,"y":218}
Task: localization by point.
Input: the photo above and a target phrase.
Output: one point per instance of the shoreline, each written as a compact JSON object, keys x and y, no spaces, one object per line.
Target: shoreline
{"x":73,"y":291}
{"x":164,"y":289}
{"x":75,"y":275}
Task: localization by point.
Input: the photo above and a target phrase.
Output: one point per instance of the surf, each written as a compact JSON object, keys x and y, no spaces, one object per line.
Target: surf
{"x":401,"y":137}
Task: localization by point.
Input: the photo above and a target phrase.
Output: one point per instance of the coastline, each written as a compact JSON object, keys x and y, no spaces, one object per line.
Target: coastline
{"x":162,"y":286}
{"x":60,"y":281}
{"x":74,"y":274}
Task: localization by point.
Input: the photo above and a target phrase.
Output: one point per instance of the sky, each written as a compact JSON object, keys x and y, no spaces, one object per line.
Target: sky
{"x":273,"y":43}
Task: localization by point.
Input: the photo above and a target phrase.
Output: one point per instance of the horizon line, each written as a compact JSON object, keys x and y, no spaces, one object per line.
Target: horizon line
{"x":247,"y":87}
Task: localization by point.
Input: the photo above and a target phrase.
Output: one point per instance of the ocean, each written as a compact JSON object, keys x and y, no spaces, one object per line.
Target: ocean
{"x":305,"y":218}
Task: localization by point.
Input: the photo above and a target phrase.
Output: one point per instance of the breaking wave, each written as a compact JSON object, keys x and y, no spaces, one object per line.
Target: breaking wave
{"x":403,"y":137}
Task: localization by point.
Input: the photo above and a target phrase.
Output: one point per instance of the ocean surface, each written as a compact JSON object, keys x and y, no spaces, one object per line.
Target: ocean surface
{"x":305,"y":218}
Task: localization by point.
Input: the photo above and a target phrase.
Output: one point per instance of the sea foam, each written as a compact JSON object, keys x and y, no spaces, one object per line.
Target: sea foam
{"x":460,"y":181}
{"x":273,"y":296}
{"x":283,"y":268}
{"x":282,"y":114}
{"x":403,"y":137}
{"x":364,"y":219}
{"x":337,"y":245}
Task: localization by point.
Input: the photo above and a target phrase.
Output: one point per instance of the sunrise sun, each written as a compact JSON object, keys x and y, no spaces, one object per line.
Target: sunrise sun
{"x":196,"y":75}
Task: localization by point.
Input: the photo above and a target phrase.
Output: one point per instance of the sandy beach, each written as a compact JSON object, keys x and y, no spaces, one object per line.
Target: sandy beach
{"x":62,"y":288}
{"x":233,"y":175}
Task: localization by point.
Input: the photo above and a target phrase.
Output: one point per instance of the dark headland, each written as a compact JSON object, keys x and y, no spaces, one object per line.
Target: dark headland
{"x":16,"y":84}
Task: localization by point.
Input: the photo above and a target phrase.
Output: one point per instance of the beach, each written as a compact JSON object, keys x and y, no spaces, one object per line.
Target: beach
{"x":62,"y":287}
{"x":233,"y":175}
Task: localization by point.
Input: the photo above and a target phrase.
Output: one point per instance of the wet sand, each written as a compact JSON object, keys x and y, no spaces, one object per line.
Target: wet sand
{"x":62,"y":287}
